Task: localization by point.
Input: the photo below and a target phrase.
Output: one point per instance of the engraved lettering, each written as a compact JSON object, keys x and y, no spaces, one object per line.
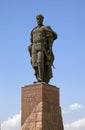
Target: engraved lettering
{"x":31,"y":97}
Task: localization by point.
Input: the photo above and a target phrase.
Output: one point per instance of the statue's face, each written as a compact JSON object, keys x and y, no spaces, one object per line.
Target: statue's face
{"x":39,"y":21}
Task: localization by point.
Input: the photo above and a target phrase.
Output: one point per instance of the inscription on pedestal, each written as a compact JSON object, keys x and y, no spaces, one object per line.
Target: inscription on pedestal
{"x":31,"y":98}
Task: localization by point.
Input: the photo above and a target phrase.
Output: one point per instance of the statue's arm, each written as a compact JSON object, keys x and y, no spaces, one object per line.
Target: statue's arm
{"x":30,"y":49}
{"x":30,"y":46}
{"x":55,"y":35}
{"x":51,"y":36}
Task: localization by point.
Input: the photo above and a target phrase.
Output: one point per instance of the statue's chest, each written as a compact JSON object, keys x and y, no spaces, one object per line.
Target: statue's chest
{"x":39,"y":33}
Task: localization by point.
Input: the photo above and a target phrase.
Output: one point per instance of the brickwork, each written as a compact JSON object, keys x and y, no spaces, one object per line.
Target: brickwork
{"x":40,"y":108}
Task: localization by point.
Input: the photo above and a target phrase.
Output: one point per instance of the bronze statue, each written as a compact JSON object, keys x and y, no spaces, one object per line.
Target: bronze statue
{"x":40,"y":49}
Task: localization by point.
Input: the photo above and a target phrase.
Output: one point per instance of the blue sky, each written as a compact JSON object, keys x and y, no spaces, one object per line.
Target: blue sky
{"x":17,"y":19}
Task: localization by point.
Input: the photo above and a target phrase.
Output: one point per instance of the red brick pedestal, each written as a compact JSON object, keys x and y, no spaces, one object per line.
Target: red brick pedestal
{"x":40,"y":108}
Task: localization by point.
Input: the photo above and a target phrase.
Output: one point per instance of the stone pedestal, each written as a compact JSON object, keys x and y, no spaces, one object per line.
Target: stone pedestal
{"x":40,"y":108}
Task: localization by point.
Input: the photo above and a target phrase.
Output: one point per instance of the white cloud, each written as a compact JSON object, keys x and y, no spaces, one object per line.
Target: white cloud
{"x":13,"y":123}
{"x":73,"y":112}
{"x":77,"y":125}
{"x":75,"y":106}
{"x":72,"y":107}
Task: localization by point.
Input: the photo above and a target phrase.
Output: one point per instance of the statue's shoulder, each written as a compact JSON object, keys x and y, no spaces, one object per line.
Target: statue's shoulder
{"x":50,"y":30}
{"x":53,"y":33}
{"x":47,"y":28}
{"x":34,"y":29}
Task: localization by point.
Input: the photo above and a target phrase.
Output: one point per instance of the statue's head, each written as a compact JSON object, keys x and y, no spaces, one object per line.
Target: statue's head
{"x":39,"y":19}
{"x":40,"y":16}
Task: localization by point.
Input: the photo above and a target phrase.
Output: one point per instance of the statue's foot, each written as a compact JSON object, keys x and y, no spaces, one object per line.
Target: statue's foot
{"x":40,"y":80}
{"x":34,"y":82}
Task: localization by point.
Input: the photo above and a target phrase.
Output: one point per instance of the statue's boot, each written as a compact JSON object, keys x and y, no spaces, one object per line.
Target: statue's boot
{"x":40,"y":72}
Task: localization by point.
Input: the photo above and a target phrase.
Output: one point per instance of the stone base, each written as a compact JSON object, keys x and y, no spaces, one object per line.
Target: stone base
{"x":40,"y":108}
